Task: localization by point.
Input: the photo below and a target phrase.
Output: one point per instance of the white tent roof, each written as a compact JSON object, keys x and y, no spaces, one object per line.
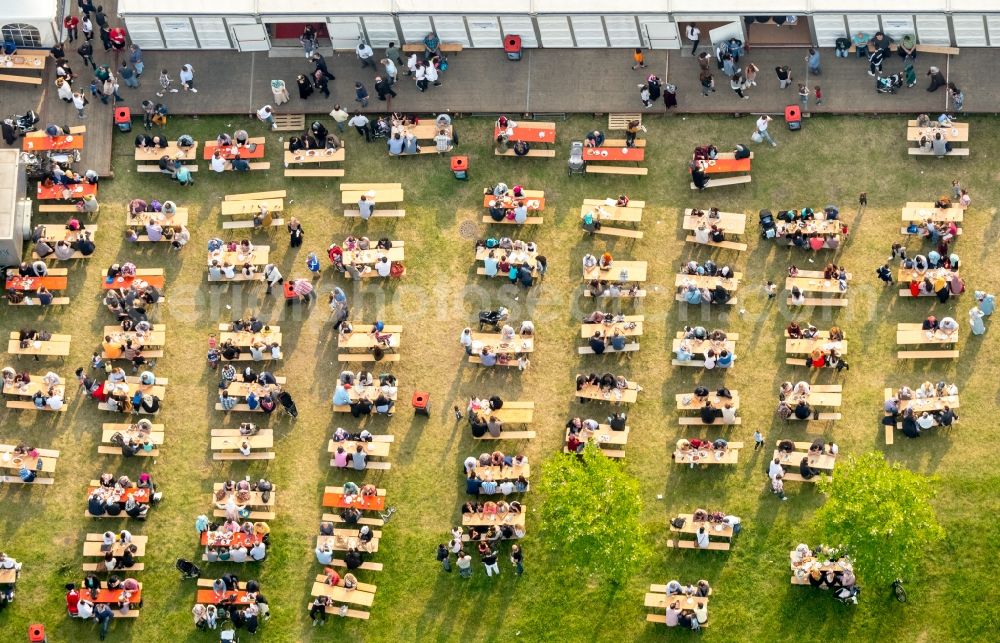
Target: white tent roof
{"x":14,"y":10}
{"x":185,"y":7}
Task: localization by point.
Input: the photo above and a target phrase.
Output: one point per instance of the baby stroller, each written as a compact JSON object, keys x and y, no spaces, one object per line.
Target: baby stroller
{"x":576,"y":164}
{"x":287,"y":403}
{"x":888,"y":84}
{"x":187,"y":568}
{"x":766,"y":223}
{"x":848,"y":595}
{"x":492,"y":318}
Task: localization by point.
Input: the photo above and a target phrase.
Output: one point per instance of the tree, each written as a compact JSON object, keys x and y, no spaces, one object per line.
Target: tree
{"x":882,"y":516}
{"x":591,"y":515}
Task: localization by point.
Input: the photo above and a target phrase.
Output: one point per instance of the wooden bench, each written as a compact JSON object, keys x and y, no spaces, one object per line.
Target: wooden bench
{"x":790,"y":476}
{"x":258,"y":165}
{"x":444,"y":47}
{"x":28,"y":405}
{"x":722,"y":181}
{"x":726,"y":245}
{"x":225,"y":444}
{"x":289,"y":122}
{"x":679,"y":297}
{"x":155,"y":169}
{"x":367,"y":565}
{"x":819,"y":301}
{"x":371,"y":522}
{"x":59,"y":208}
{"x":697,"y":421}
{"x":615,"y":169}
{"x":245,"y":224}
{"x":629,"y":348}
{"x":329,"y":172}
{"x":954,"y":151}
{"x":528,"y":221}
{"x":532,"y":153}
{"x":624,"y":295}
{"x":820,"y":418}
{"x":620,"y":142}
{"x":376,"y":213}
{"x":621,"y":121}
{"x":619,"y":232}
{"x":510,"y":435}
{"x":691,"y":544}
{"x":948,"y":354}
{"x":257,"y":196}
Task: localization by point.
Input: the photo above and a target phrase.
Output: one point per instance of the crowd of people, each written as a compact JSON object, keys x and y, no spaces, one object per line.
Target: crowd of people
{"x":580,"y":431}
{"x":245,"y":613}
{"x":497,"y":476}
{"x":49,"y":394}
{"x":692,"y":293}
{"x":116,"y":495}
{"x":607,"y":384}
{"x":75,"y":239}
{"x":825,"y":355}
{"x":723,"y":408}
{"x":220,"y":268}
{"x":687,"y":618}
{"x":826,"y":568}
{"x":899,"y":412}
{"x":718,"y":353}
{"x":793,"y":400}
{"x":234,"y":541}
{"x":147,"y":218}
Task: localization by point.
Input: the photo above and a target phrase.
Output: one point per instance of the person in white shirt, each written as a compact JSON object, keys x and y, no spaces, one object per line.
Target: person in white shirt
{"x":228,"y":270}
{"x":390,"y":69}
{"x":383,"y":267}
{"x":925,"y":421}
{"x":218,"y":164}
{"x":694,"y":35}
{"x":272,"y":276}
{"x":774,"y":469}
{"x":762,"y":124}
{"x":84,"y":609}
{"x":324,"y":556}
{"x":466,"y":340}
{"x":266,"y":114}
{"x":186,"y":76}
{"x":701,"y":538}
{"x":365,"y":54}
{"x":411,"y":65}
{"x":340,"y":117}
{"x":701,"y":234}
{"x":238,"y":554}
{"x":258,"y":551}
{"x":420,"y":76}
{"x":728,"y":414}
{"x":366,"y":206}
{"x":432,"y":74}
{"x":443,"y":141}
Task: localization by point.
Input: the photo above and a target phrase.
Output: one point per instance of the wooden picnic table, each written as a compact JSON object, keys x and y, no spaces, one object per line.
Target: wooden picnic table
{"x":609,"y":154}
{"x":55,"y":347}
{"x":691,"y":527}
{"x":113,"y":596}
{"x":232,"y":597}
{"x":919,"y":405}
{"x":810,"y":284}
{"x":533,"y":199}
{"x":363,"y":339}
{"x":824,"y":462}
{"x":95,"y":548}
{"x":8,"y":576}
{"x":607,"y":330}
{"x":152,"y":338}
{"x":230,"y":539}
{"x":157,"y":281}
{"x":594,"y":392}
{"x":612,"y":213}
{"x":258,"y":257}
{"x":695,"y":404}
{"x":659,"y":600}
{"x":382,"y":195}
{"x":807,"y":346}
{"x":229,"y":152}
{"x":724,"y":166}
{"x":341,"y":595}
{"x":476,"y":520}
{"x":262,"y":441}
{"x":155,"y":434}
{"x":36,"y":384}
{"x":604,"y":435}
{"x":175,"y":220}
{"x":139,"y":495}
{"x":709,"y":456}
{"x":154,"y":154}
{"x":48,"y":458}
{"x":514,"y":257}
{"x":373,"y":255}
{"x":636,"y":272}
{"x":821,"y":226}
{"x":373,"y":449}
{"x":729,"y":222}
{"x":315,"y":156}
{"x":57,"y":192}
{"x":918,"y":214}
{"x":706,"y":281}
{"x":364,"y":503}
{"x":914,"y":334}
{"x":702,"y":346}
{"x":504,"y":472}
{"x":52,"y":143}
{"x":252,"y":206}
{"x":952,"y":134}
{"x":499,"y":345}
{"x":530,"y":132}
{"x":34,"y":283}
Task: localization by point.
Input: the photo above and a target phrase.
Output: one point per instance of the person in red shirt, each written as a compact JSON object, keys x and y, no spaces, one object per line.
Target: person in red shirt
{"x":71,"y":24}
{"x":117,"y":38}
{"x":573,"y":443}
{"x":72,"y":599}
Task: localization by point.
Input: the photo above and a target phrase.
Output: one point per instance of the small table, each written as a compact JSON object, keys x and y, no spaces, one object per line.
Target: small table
{"x":530,"y":132}
{"x":65,"y":192}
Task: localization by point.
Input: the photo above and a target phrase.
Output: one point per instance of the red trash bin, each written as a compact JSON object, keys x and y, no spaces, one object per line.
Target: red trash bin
{"x":36,"y":633}
{"x":421,"y":402}
{"x":460,"y":166}
{"x":512,"y":47}
{"x":793,"y":117}
{"x":123,"y":119}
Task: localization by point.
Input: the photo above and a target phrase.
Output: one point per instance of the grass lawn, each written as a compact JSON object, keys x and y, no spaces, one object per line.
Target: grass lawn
{"x":830,"y":161}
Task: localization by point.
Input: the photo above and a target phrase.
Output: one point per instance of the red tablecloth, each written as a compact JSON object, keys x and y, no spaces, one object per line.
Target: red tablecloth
{"x":236,"y":538}
{"x":529,"y":133}
{"x":508,"y":201}
{"x":57,"y":192}
{"x":209,"y":597}
{"x":140,"y":495}
{"x":723,"y":166}
{"x":365,"y":503}
{"x":597,"y":154}
{"x":33,"y":283}
{"x":112,"y":596}
{"x":36,"y":143}
{"x":229,"y":151}
{"x":125,"y":282}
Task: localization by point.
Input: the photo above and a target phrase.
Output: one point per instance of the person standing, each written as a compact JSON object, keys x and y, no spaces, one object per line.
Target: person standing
{"x":670,"y":95}
{"x":420,"y":77}
{"x":694,"y":35}
{"x":186,"y":76}
{"x":517,"y":559}
{"x":71,"y":24}
{"x":320,"y":63}
{"x":818,"y":93}
{"x":266,"y":115}
{"x":464,"y":564}
{"x":340,"y":117}
{"x":360,"y":122}
{"x":736,"y":84}
{"x":707,"y":82}
{"x":638,"y":58}
{"x":320,"y":82}
{"x":296,"y":233}
{"x":365,"y":54}
{"x":390,"y":69}
{"x":784,"y":74}
{"x":308,"y":41}
{"x":361,"y":94}
{"x":813,"y":61}
{"x":383,"y":87}
{"x":957,"y":97}
{"x":444,"y":558}
{"x":87,"y":27}
{"x":762,"y":124}
{"x":128,"y":75}
{"x":489,"y":558}
{"x":875,"y":62}
{"x":655,"y":88}
{"x":86,"y":51}
{"x":644,"y":96}
{"x":105,"y":33}
{"x":305,"y":87}
{"x":804,"y":97}
{"x":392,"y":52}
{"x":80,"y":102}
{"x":135,"y":57}
{"x":100,"y":18}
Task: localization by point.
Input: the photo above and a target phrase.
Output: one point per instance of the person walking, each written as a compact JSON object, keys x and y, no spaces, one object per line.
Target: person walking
{"x":784,"y":74}
{"x":444,"y":558}
{"x":638,"y":58}
{"x":365,"y":54}
{"x":420,"y":77}
{"x":762,"y":132}
{"x":694,"y":35}
{"x":320,"y":82}
{"x":383,"y":87}
{"x":736,"y":84}
{"x":957,"y":97}
{"x":86,"y":51}
{"x":875,"y":62}
{"x":105,"y":34}
{"x":71,"y":24}
{"x":320,"y":63}
{"x":707,"y":82}
{"x":818,"y":93}
{"x":360,"y":122}
{"x":87,"y":27}
{"x":79,"y":102}
{"x":813,"y":61}
{"x":361,"y":94}
{"x":135,"y":57}
{"x":128,"y":75}
{"x":390,"y":69}
{"x":308,"y":41}
{"x":186,"y":76}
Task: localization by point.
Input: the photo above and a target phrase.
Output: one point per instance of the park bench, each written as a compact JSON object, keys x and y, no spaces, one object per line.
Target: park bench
{"x":226,"y":443}
{"x":55,"y":346}
{"x":914,"y":334}
{"x":155,"y":437}
{"x":604,"y":437}
{"x":444,"y":47}
{"x":716,"y":182}
{"x":374,"y":449}
{"x":92,"y":229}
{"x":46,"y":457}
{"x":730,"y":456}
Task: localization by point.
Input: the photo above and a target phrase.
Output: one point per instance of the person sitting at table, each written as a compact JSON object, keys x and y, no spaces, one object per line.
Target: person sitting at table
{"x":239,"y":164}
{"x":948,"y":327}
{"x":805,"y":470}
{"x":396,"y":144}
{"x":605,"y":261}
{"x":802,"y":411}
{"x":594,"y":138}
{"x":167,"y":165}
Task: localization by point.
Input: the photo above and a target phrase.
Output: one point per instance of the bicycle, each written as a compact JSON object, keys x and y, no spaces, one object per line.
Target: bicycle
{"x":897,"y":588}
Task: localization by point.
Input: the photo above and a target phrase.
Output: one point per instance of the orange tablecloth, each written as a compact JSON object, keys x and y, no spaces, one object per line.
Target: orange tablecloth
{"x":229,"y":151}
{"x":365,"y":503}
{"x":508,"y":201}
{"x":597,"y":154}
{"x":141,"y":495}
{"x":55,"y":192}
{"x":209,"y":597}
{"x":236,"y":538}
{"x":723,"y":166}
{"x":37,"y":143}
{"x":530,"y":133}
{"x":112,"y":596}
{"x":33,"y":283}
{"x":125,"y":282}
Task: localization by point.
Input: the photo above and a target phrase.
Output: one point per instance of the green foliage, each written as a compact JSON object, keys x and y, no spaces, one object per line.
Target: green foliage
{"x":881,"y":514}
{"x":591,"y":515}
